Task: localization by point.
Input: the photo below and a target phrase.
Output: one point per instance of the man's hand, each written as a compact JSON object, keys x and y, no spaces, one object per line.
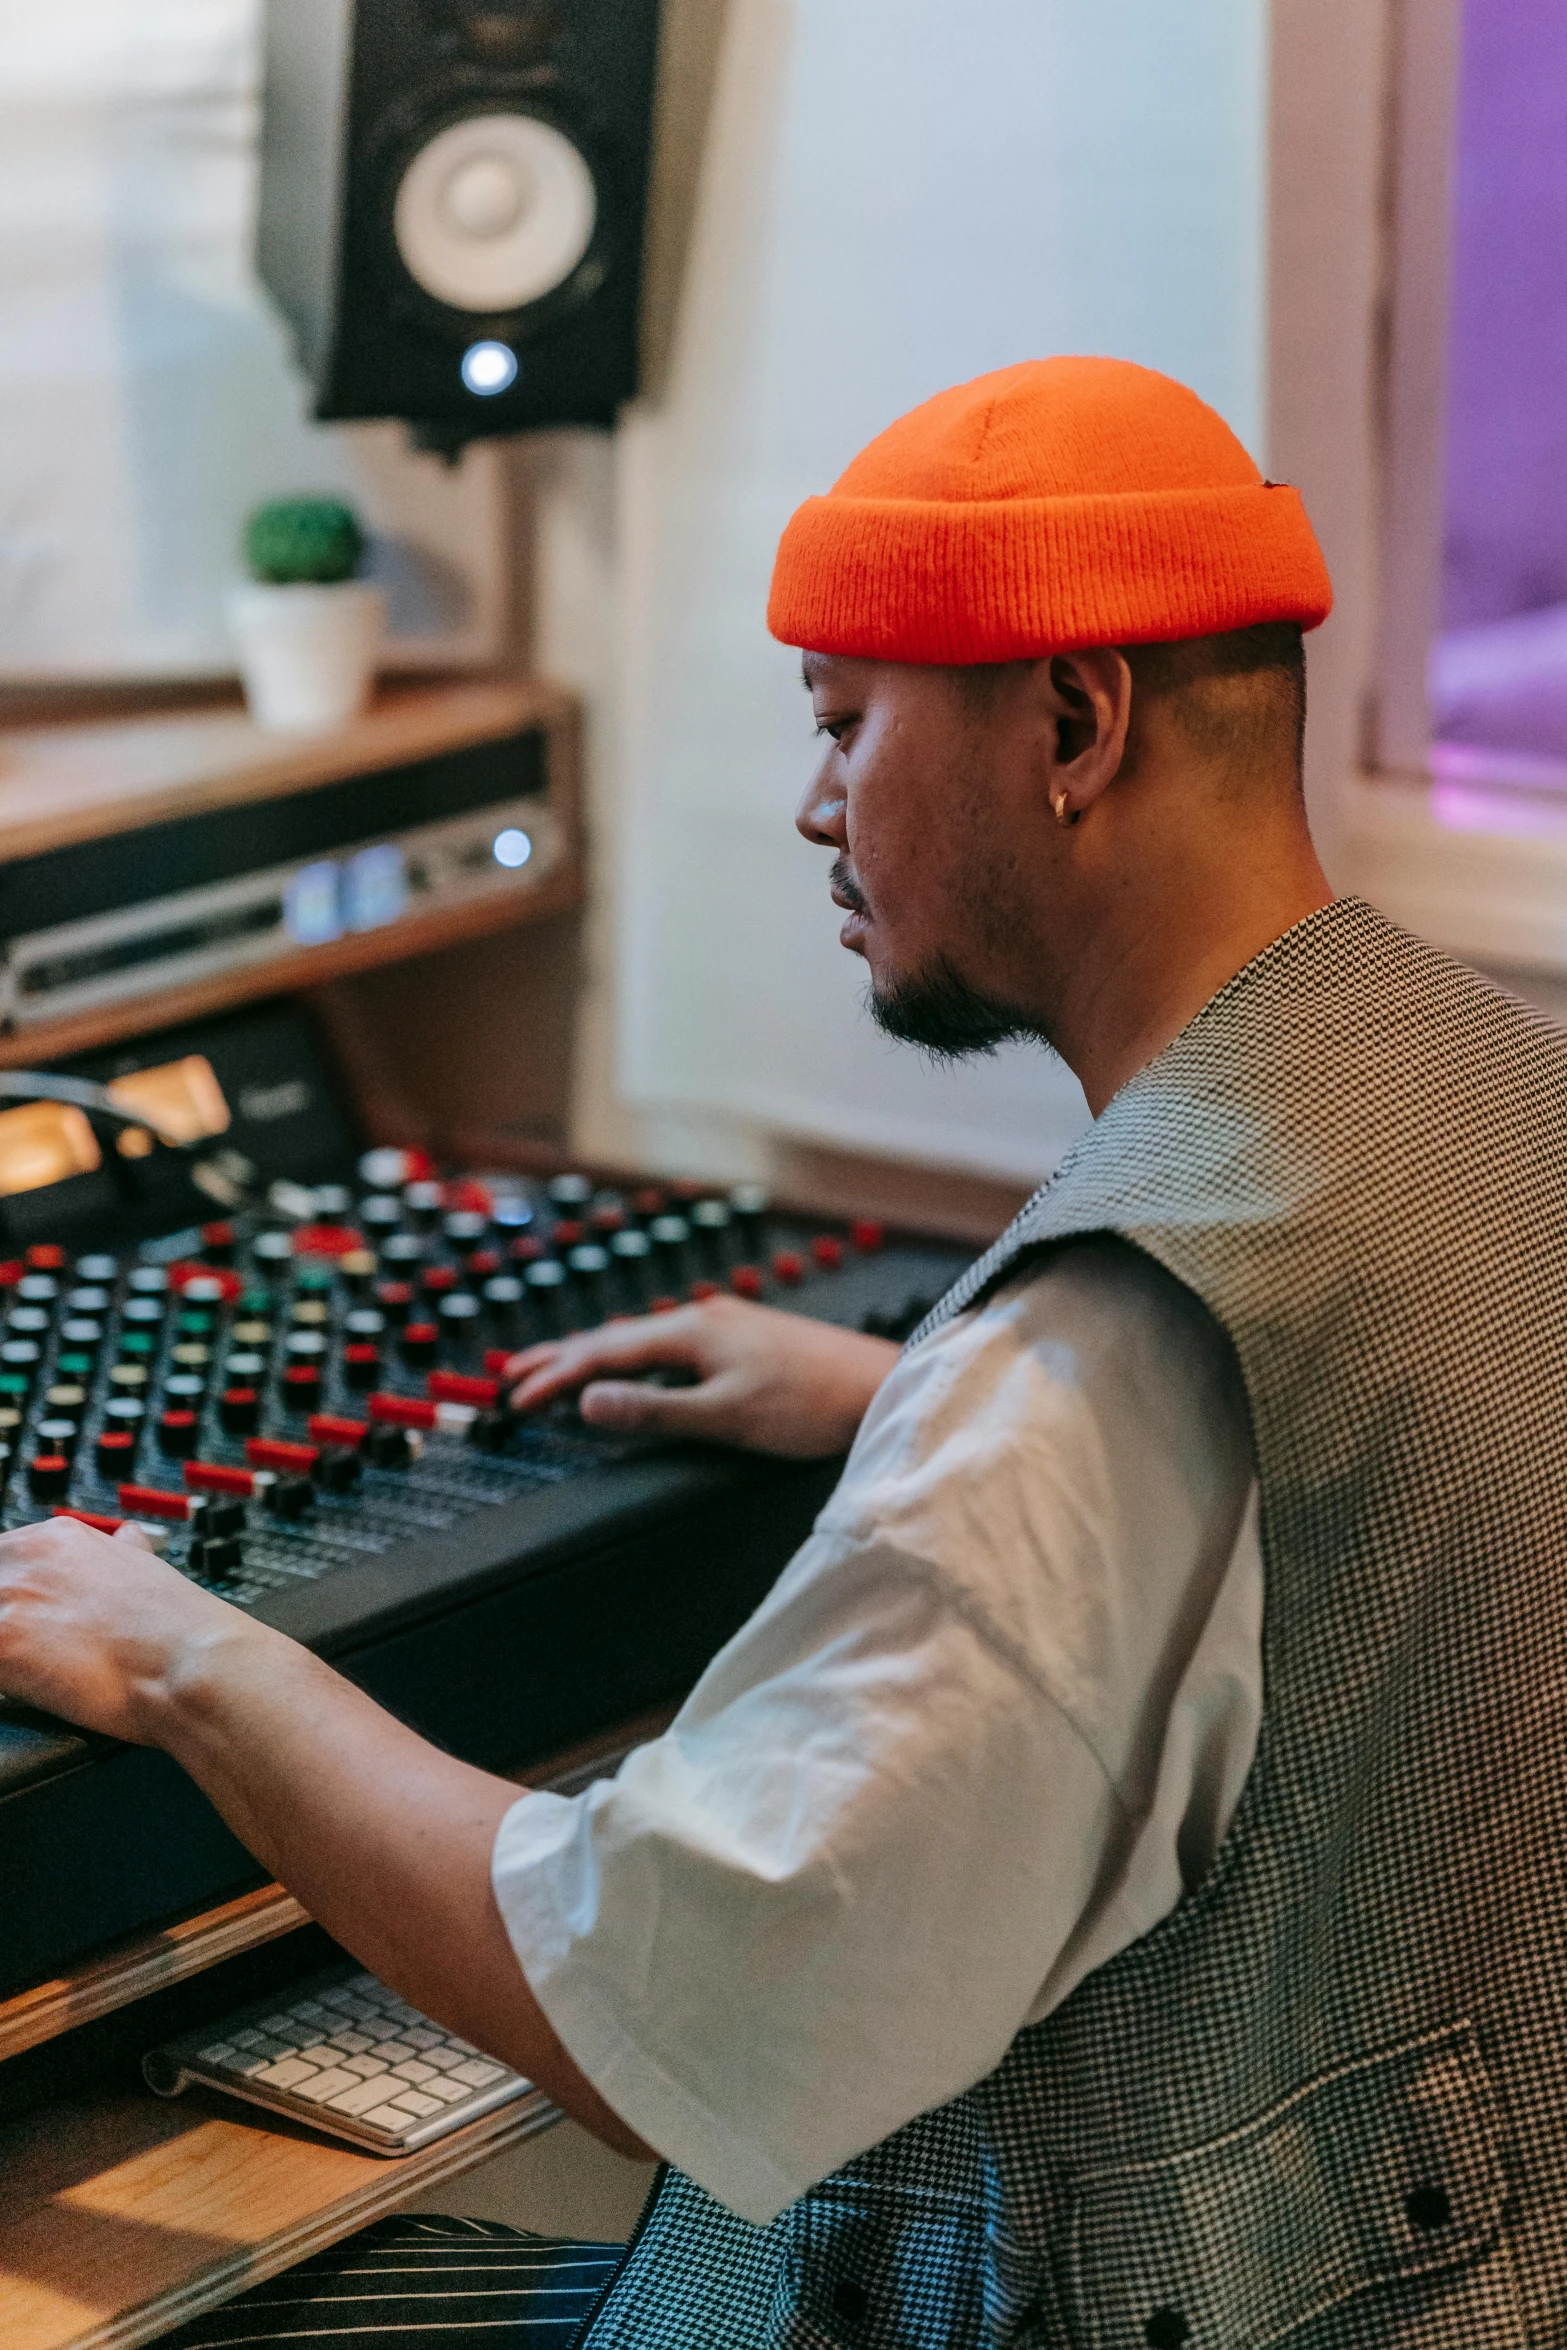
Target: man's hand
{"x":95,"y":1627}
{"x":770,"y":1381}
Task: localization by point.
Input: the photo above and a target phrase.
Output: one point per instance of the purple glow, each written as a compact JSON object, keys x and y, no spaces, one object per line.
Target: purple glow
{"x":1506,"y":536}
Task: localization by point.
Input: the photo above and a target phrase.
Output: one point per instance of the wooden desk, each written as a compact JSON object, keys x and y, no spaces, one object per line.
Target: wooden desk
{"x":122,"y":2218}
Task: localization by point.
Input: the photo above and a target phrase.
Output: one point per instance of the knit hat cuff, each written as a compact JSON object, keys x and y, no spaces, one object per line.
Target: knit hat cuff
{"x":902,"y":579}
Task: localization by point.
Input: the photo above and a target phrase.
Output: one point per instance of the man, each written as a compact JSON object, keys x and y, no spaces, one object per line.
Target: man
{"x":1112,"y":1891}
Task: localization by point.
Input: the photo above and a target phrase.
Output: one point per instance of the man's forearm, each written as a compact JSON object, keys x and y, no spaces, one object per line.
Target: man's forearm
{"x":385,"y":1840}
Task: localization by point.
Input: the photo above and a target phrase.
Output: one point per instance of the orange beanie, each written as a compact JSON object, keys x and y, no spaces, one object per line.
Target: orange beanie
{"x":1062,"y":502}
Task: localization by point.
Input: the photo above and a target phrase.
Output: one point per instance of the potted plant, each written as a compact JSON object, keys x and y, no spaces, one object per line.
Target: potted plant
{"x":306,"y":630}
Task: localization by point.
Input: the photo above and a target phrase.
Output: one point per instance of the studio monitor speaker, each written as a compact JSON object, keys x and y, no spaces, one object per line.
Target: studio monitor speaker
{"x":453,"y":197}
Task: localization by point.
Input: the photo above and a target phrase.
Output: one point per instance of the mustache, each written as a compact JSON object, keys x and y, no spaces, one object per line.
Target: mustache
{"x":847,"y":888}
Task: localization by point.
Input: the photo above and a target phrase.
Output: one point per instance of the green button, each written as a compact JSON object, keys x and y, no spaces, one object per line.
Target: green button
{"x":314,"y":1284}
{"x":256,"y":1301}
{"x":195,"y":1325}
{"x":12,"y":1383}
{"x":75,"y":1366}
{"x":137,"y":1342}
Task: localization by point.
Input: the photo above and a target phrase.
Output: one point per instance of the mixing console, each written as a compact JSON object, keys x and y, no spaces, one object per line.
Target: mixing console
{"x":301,"y":1403}
{"x":272,"y":1400}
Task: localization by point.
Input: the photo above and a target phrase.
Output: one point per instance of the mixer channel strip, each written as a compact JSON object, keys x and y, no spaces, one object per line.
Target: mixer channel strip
{"x":278,"y":1397}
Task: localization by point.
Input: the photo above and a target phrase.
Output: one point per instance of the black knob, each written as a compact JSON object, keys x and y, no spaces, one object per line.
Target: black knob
{"x":58,"y":1435}
{"x":239,"y":1411}
{"x":272,"y":1253}
{"x":214,"y":1560}
{"x":422,"y":1201}
{"x":362,"y":1367}
{"x":492,"y":1430}
{"x":217,"y":1243}
{"x":38,"y":1289}
{"x":124,"y":1411}
{"x":82,"y":1334}
{"x":177,"y":1435}
{"x":418,"y":1344}
{"x":336,"y":1470}
{"x":465,"y":1228}
{"x":291,"y":1497}
{"x":22,"y":1356}
{"x":386,"y":1447}
{"x":217,"y":1514}
{"x":49,"y":1476}
{"x":183,"y":1390}
{"x":114,"y":1454}
{"x":569,"y":1193}
{"x":669,"y":1235}
{"x":588,"y":1264}
{"x":301,"y":1387}
{"x":750,"y":1205}
{"x":502,"y":1295}
{"x":710,"y":1223}
{"x":97,"y":1269}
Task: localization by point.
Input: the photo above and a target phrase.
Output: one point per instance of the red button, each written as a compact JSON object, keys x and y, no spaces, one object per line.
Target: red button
{"x":528,"y":1250}
{"x":457,"y":1387}
{"x":273,"y":1452}
{"x":45,"y":1257}
{"x":788,"y":1266}
{"x":702,"y":1290}
{"x":361,"y":1352}
{"x":647,"y":1203}
{"x":496,"y":1359}
{"x":217,"y":1235}
{"x":301,"y":1386}
{"x":827,"y":1251}
{"x":608,"y":1220}
{"x":483,"y":1262}
{"x":439,"y":1278}
{"x":146,"y":1501}
{"x":467,"y":1196}
{"x":403,"y":1411}
{"x":11,"y":1272}
{"x":746,"y":1281}
{"x":665,"y":1305}
{"x":213,"y":1477}
{"x":327,"y":1428}
{"x":327,"y":1240}
{"x":867,"y":1235}
{"x":570,"y":1233}
{"x":88,"y":1518}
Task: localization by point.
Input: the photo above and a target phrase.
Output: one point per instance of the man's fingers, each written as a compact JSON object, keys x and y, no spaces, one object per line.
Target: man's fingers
{"x":655,"y":1411}
{"x":131,"y":1532}
{"x":652,"y":1343}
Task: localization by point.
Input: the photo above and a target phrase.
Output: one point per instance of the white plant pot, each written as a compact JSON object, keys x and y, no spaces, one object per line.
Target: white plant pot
{"x":307,"y":653}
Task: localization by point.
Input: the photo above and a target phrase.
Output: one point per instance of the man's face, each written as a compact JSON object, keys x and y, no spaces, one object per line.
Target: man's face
{"x":922,"y":792}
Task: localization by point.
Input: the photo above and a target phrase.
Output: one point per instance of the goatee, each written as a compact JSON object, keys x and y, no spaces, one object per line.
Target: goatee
{"x":939,"y":1011}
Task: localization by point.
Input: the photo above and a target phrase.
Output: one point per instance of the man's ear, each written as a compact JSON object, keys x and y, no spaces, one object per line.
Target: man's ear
{"x":1087,"y":697}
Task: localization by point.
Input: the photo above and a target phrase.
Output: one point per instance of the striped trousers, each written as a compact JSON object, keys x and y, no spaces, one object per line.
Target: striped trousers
{"x":429,"y":2284}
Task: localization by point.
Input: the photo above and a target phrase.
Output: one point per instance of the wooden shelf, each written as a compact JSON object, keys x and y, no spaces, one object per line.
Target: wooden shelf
{"x":69,"y":783}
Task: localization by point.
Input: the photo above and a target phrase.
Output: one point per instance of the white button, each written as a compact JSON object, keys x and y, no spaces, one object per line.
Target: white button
{"x":415,"y":2101}
{"x":370,"y":2066}
{"x":288,"y":2074}
{"x":477,"y":2075}
{"x":327,"y":2085}
{"x":359,"y":2098}
{"x":415,"y":2073}
{"x":451,"y":2092}
{"x":387,"y":2117}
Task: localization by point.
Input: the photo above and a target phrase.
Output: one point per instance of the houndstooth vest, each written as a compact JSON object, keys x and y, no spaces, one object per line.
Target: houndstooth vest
{"x":1325,"y":2101}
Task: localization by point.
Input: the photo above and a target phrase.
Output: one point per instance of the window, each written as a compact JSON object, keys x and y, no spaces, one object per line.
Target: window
{"x":146,"y":395}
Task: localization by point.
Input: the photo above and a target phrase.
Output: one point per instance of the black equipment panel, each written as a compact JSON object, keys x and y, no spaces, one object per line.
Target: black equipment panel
{"x":398,"y":246}
{"x":309,"y":1415}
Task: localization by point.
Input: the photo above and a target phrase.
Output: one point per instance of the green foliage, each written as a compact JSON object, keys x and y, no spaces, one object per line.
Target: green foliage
{"x":291,"y":540}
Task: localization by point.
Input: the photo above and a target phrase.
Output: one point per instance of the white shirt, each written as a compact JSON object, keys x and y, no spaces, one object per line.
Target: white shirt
{"x":991,"y":1721}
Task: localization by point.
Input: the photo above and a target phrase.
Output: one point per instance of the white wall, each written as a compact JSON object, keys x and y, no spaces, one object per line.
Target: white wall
{"x":897,"y":194}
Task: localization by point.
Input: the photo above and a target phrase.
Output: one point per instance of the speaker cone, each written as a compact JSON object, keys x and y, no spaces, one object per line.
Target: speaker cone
{"x":495,"y":212}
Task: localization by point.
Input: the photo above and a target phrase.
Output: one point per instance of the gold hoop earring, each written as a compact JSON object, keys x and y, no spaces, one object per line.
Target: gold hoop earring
{"x":1065,"y":812}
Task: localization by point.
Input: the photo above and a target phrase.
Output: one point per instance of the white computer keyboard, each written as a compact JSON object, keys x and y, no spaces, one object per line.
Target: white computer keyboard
{"x":346,"y":2055}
